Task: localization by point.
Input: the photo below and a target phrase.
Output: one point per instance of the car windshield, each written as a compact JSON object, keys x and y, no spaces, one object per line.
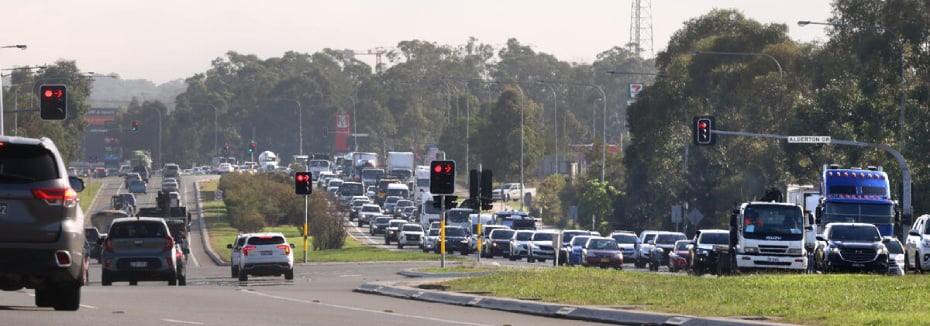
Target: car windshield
{"x":855,"y":233}
{"x":458,"y":216}
{"x":434,"y":232}
{"x":351,"y":189}
{"x":371,"y":209}
{"x":501,"y":234}
{"x":138,"y":229}
{"x":714,"y":238}
{"x":413,"y":228}
{"x":542,"y":236}
{"x":26,"y":163}
{"x":579,"y":240}
{"x":382,"y":220}
{"x":266,"y":240}
{"x":894,"y":247}
{"x":648,"y":238}
{"x":669,"y":238}
{"x":455,"y":232}
{"x":603,"y":244}
{"x":625,"y":238}
{"x":524,"y":236}
{"x":681,"y":245}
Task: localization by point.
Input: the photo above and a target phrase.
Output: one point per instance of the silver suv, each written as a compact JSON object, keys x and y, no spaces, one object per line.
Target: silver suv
{"x":41,"y":224}
{"x":139,"y":249}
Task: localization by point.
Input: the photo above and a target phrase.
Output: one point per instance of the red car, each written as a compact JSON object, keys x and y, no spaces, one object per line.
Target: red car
{"x":680,"y":257}
{"x":603,"y":252}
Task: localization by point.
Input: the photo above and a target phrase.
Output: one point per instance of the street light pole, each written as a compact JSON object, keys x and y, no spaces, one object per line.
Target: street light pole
{"x":604,"y":140}
{"x":17,"y":46}
{"x":555,"y":122}
{"x":900,"y":40}
{"x":522,"y":108}
{"x":781,"y":74}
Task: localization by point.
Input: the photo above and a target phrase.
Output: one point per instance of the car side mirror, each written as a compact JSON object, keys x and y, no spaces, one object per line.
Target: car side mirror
{"x":76,"y":183}
{"x":228,"y":246}
{"x":186,"y":251}
{"x":886,"y":240}
{"x":820,"y":237}
{"x":292,"y":246}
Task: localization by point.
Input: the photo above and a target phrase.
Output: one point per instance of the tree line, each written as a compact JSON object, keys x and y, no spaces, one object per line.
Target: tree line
{"x":847,"y":87}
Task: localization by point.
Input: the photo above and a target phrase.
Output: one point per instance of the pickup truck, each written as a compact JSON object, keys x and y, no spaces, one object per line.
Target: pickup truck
{"x":511,"y":191}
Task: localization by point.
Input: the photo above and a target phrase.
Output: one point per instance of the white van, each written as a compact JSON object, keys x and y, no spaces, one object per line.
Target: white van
{"x":399,"y":190}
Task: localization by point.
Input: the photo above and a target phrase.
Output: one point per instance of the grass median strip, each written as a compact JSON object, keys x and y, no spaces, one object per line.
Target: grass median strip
{"x":842,"y":299}
{"x":86,"y":197}
{"x":222,"y":234}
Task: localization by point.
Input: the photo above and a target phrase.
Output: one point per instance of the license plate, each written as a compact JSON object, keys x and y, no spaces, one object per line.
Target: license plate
{"x":3,"y":207}
{"x":858,"y":265}
{"x":266,"y":252}
{"x":605,"y":260}
{"x":772,"y":259}
{"x":138,"y":264}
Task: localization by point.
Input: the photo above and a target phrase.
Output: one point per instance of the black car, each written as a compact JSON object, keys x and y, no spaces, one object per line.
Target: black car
{"x":43,"y":236}
{"x":703,"y":251}
{"x":94,"y":242}
{"x":498,"y":243}
{"x":378,"y":224}
{"x":851,"y":247}
{"x":456,"y":240}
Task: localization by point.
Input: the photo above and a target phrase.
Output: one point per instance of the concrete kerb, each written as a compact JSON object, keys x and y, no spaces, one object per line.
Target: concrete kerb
{"x":403,"y":290}
{"x":204,"y":234}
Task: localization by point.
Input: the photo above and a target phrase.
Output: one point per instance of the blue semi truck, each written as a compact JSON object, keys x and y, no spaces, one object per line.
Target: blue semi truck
{"x":856,"y":195}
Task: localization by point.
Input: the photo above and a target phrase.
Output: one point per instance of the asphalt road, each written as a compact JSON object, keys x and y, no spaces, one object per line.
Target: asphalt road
{"x":320,"y":294}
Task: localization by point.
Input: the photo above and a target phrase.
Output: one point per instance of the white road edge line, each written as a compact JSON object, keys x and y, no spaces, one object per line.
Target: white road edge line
{"x":89,"y":306}
{"x":182,"y":322}
{"x":364,"y":310}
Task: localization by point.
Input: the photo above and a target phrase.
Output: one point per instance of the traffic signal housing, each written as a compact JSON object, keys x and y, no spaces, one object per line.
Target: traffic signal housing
{"x":134,"y":126}
{"x":303,"y":183}
{"x":486,"y":189}
{"x":442,"y":177}
{"x":226,"y":149}
{"x":53,"y":102}
{"x":449,"y":201}
{"x":703,"y":131}
{"x":252,"y":147}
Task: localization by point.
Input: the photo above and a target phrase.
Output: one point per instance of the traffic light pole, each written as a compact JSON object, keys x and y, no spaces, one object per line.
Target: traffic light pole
{"x":442,"y":231}
{"x":306,"y":209}
{"x":907,"y":209}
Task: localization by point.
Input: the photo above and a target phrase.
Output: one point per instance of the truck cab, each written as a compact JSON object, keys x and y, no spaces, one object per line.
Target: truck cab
{"x":769,"y":235}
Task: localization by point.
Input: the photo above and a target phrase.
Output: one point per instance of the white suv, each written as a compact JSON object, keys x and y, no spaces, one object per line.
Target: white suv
{"x":266,"y":254}
{"x":917,"y":245}
{"x":646,"y":243}
{"x":236,"y":253}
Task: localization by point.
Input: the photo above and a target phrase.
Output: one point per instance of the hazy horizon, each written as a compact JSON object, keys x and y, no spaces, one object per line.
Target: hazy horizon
{"x":161,"y":41}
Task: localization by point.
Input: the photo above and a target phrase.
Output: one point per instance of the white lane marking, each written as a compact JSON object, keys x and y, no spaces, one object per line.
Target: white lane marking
{"x":89,"y":306}
{"x":182,"y":322}
{"x":194,"y":257}
{"x":364,"y":310}
{"x":351,"y":275}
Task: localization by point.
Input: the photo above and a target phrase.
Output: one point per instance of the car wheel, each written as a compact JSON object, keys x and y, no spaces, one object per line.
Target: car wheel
{"x":530,"y":259}
{"x":917,"y":268}
{"x":639,"y":263}
{"x":425,"y":250}
{"x":541,"y":260}
{"x":182,"y":279}
{"x":44,"y":297}
{"x":289,"y":274}
{"x":105,"y":278}
{"x":67,"y":297}
{"x":512,"y":257}
{"x":235,"y":271}
{"x":134,"y":282}
{"x":173,"y":280}
{"x":359,"y":223}
{"x":243,"y":277}
{"x":387,"y":241}
{"x":400,"y":246}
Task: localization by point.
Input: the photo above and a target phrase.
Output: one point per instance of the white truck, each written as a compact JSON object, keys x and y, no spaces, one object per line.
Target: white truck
{"x":401,"y":165}
{"x":513,"y":191}
{"x":268,"y":161}
{"x":765,"y":235}
{"x":808,"y":197}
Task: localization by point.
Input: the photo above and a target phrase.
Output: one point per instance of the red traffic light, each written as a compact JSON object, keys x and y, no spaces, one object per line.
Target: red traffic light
{"x":437,"y":168}
{"x":302,"y":177}
{"x":702,"y":124}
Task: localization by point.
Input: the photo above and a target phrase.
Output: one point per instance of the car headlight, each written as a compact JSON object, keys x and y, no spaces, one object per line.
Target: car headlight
{"x":794,"y":251}
{"x":925,"y":242}
{"x":751,"y":250}
{"x":834,"y":250}
{"x":883,"y":250}
{"x":534,"y":246}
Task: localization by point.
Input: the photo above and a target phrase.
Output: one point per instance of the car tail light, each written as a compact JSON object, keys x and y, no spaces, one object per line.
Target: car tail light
{"x":245,"y":250}
{"x":107,"y":263}
{"x":169,"y":243}
{"x":56,"y":196}
{"x":63,"y":258}
{"x":287,"y":249}
{"x":107,"y":246}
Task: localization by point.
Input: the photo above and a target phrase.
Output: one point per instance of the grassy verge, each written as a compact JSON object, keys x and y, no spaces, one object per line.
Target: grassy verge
{"x":222,"y":234}
{"x":86,"y":197}
{"x":804,"y":299}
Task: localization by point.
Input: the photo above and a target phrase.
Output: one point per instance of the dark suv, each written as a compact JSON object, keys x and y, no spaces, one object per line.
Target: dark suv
{"x":663,"y":245}
{"x":852,"y":247}
{"x":41,"y":224}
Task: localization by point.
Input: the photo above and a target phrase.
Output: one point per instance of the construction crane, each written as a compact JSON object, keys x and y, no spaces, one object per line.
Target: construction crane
{"x":378,"y":52}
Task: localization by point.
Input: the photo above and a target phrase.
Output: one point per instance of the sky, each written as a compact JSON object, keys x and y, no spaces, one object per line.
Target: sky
{"x":164,"y":40}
